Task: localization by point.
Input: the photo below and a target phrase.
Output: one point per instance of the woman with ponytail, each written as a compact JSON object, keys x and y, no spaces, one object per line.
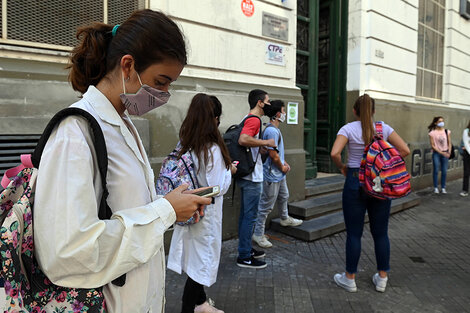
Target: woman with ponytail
{"x":356,"y":136}
{"x":120,"y":70}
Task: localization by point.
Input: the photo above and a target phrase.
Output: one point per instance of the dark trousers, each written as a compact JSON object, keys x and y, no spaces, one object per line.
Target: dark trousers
{"x":466,"y":170}
{"x":193,"y":295}
{"x":355,"y":205}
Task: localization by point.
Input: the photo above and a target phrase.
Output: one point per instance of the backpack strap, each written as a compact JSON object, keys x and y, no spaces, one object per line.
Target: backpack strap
{"x":101,"y":155}
{"x":379,"y":130}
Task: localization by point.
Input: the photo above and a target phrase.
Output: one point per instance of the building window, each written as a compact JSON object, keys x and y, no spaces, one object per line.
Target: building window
{"x":53,"y":23}
{"x":430,"y":48}
{"x":465,"y":8}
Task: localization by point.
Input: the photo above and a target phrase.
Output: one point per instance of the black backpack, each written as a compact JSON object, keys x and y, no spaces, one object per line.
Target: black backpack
{"x":238,"y":152}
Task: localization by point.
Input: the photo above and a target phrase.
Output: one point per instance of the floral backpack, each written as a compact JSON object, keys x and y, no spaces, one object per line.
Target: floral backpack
{"x":27,"y":288}
{"x":176,"y":171}
{"x":383,"y":173}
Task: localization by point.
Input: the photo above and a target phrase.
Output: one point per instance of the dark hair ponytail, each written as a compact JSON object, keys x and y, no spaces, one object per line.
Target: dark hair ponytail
{"x":149,"y":36}
{"x":365,"y":109}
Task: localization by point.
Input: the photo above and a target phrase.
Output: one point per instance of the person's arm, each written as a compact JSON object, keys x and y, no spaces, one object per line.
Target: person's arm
{"x":399,"y":144}
{"x":336,"y":150}
{"x":216,"y":172}
{"x":249,"y":141}
{"x":449,"y":142}
{"x":277,"y":161}
{"x":466,"y":140}
{"x":74,"y":247}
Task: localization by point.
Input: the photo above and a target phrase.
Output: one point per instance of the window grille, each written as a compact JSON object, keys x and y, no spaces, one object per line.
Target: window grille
{"x":53,"y":23}
{"x":430,"y":48}
{"x":12,"y":146}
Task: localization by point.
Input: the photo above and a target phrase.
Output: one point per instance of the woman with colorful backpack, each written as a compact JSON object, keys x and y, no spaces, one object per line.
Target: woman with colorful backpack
{"x":441,"y":145}
{"x":465,"y":146}
{"x":195,"y":249}
{"x":120,"y":70}
{"x":356,"y":136}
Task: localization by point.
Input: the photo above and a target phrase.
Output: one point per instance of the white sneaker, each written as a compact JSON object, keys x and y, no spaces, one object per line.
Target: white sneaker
{"x":261,"y":241}
{"x":436,"y":190}
{"x":290,"y":221}
{"x":464,"y":194}
{"x":344,"y":282}
{"x":379,"y":282}
{"x":443,"y":190}
{"x":207,"y":307}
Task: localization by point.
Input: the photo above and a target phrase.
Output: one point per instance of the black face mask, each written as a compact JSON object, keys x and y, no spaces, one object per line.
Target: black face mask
{"x":267,"y":109}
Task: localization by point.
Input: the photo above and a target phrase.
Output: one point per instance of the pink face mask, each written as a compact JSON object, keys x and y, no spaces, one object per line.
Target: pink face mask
{"x":144,"y":100}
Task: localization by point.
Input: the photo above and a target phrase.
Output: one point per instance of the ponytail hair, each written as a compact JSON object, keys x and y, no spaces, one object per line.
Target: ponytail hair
{"x":468,"y":126}
{"x":149,"y":36}
{"x":433,"y":124}
{"x":365,"y":109}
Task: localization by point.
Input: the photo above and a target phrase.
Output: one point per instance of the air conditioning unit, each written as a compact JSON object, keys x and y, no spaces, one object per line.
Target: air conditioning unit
{"x":465,"y":9}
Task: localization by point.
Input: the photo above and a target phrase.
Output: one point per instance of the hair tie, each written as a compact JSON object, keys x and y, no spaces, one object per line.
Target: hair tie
{"x":115,"y":28}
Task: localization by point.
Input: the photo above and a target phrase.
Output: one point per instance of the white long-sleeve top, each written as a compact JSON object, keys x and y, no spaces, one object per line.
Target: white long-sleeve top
{"x":466,"y":140}
{"x":76,"y":249}
{"x":196,"y":248}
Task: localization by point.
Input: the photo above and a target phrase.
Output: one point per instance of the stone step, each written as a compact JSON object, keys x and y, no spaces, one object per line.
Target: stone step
{"x":314,"y":207}
{"x":332,"y":223}
{"x":319,"y":186}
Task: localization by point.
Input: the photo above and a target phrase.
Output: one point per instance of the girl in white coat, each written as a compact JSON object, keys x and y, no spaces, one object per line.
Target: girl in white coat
{"x":195,"y":249}
{"x":121,"y":71}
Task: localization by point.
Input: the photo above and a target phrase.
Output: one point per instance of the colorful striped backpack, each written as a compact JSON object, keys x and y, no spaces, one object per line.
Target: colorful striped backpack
{"x":383,"y":173}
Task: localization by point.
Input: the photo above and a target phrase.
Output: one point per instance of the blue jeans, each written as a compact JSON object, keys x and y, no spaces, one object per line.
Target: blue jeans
{"x":250,"y":193}
{"x":355,"y":204}
{"x":439,"y":161}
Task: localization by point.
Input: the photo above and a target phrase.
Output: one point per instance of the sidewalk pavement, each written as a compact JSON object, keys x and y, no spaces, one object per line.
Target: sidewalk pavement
{"x":430,"y":260}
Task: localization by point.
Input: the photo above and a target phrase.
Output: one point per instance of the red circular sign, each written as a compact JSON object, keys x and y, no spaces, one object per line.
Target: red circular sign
{"x":248,"y":8}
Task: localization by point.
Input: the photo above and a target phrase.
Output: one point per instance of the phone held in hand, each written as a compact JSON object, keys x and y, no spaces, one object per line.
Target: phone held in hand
{"x":208,"y":192}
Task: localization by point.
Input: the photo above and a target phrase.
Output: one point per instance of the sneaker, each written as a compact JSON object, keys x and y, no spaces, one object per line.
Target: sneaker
{"x":290,"y":221}
{"x":342,"y":281}
{"x":257,"y":253}
{"x":251,"y":263}
{"x":464,"y":194}
{"x":262,"y":241}
{"x":379,"y":282}
{"x":436,"y":190}
{"x":207,"y":307}
{"x":443,"y":190}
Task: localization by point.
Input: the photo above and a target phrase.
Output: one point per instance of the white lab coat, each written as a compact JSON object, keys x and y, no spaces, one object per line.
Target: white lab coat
{"x":195,"y":249}
{"x":76,"y":249}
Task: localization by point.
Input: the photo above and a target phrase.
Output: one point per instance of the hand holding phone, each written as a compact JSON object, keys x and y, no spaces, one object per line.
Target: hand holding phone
{"x":207,"y":192}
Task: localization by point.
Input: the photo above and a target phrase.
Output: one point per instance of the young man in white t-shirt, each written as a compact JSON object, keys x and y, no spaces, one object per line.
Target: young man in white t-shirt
{"x":251,"y":185}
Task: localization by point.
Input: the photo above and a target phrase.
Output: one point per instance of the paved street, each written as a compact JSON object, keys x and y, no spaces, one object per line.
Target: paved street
{"x":430,"y":259}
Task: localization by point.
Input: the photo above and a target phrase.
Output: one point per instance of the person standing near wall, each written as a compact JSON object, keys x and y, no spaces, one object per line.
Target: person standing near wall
{"x":466,"y":160}
{"x":275,"y":169}
{"x":195,"y":249}
{"x":251,"y":185}
{"x":120,"y":70}
{"x":356,"y":135}
{"x":441,"y":144}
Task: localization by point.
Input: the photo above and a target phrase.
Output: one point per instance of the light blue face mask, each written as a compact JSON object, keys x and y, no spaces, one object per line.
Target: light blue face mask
{"x":440,"y":124}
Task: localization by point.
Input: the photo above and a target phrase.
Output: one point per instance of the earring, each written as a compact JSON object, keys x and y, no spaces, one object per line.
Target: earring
{"x":127,"y":79}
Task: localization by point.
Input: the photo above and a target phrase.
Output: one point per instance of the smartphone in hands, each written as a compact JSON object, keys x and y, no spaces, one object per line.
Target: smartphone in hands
{"x":208,"y":192}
